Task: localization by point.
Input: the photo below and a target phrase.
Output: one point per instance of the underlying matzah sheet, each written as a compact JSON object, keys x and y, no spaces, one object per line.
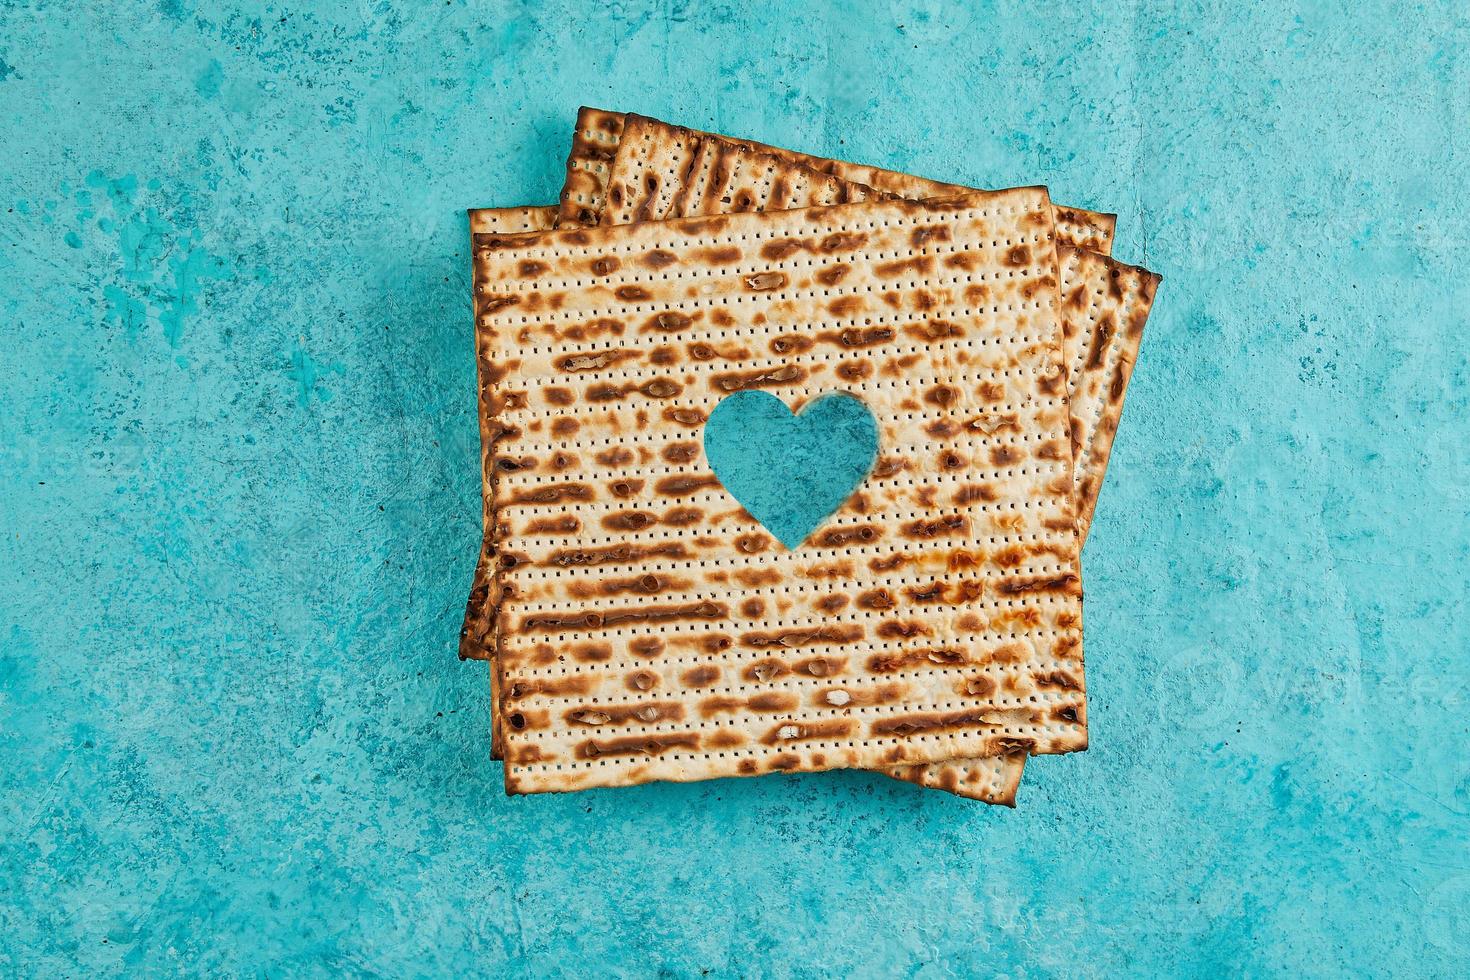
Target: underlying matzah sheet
{"x":600,"y":135}
{"x":477,"y":635}
{"x":649,"y":629}
{"x":1105,"y":305}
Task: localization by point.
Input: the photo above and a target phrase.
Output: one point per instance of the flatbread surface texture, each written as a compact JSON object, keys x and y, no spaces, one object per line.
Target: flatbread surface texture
{"x":649,"y":629}
{"x":661,"y":172}
{"x":601,"y":135}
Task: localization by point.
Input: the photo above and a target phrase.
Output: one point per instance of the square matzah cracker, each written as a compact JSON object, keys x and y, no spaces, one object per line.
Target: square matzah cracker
{"x":991,"y":780}
{"x":601,"y":135}
{"x":648,"y":628}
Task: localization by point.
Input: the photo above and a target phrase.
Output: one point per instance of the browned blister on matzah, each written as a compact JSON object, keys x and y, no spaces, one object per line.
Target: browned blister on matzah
{"x":594,"y":144}
{"x":649,"y":628}
{"x":600,"y":136}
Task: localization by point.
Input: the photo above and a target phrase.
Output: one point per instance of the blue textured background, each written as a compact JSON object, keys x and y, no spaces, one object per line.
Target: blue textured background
{"x":240,"y":505}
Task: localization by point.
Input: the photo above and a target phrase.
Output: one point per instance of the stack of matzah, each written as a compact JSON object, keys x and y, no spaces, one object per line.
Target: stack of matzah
{"x":640,"y":625}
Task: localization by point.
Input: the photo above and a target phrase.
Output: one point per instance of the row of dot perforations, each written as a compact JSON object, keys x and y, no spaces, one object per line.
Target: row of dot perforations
{"x":1048,"y":740}
{"x":513,"y":284}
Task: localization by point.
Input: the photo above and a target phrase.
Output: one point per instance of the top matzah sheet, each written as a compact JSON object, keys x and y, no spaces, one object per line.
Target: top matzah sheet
{"x":600,"y":133}
{"x":622,"y":649}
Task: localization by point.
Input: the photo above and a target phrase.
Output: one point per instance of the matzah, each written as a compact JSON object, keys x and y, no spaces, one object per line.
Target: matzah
{"x":476,"y":636}
{"x":1105,"y":305}
{"x":1103,"y":317}
{"x":599,"y":137}
{"x":991,"y":780}
{"x":661,"y":171}
{"x":967,"y":687}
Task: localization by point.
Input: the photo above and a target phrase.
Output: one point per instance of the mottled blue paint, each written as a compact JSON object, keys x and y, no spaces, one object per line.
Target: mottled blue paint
{"x":235,"y":738}
{"x":790,"y":471}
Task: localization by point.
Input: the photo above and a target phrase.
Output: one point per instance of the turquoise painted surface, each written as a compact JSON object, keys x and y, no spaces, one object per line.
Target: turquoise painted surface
{"x":240,"y":507}
{"x":791,"y":471}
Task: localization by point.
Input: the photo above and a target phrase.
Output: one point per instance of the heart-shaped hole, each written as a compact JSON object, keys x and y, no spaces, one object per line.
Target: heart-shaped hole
{"x":791,"y":471}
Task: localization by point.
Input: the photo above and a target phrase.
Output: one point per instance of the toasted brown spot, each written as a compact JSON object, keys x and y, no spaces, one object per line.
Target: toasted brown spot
{"x":806,"y":730}
{"x":592,"y":362}
{"x":790,"y":345}
{"x":948,"y":524}
{"x":832,"y":603}
{"x":553,"y":493}
{"x":647,"y":646}
{"x":840,"y":241}
{"x":757,"y":379}
{"x":493,"y":304}
{"x":839,"y":536}
{"x":558,"y":396}
{"x":833,"y":274}
{"x":628,"y":520}
{"x":549,"y":686}
{"x":978,"y":686}
{"x":723,"y":255}
{"x":667,"y":322}
{"x":658,"y":259}
{"x":1066,"y":584}
{"x":566,"y":524}
{"x":591,"y":652}
{"x":765,"y":281}
{"x":678,"y":486}
{"x":751,"y":544}
{"x":929,"y":722}
{"x":638,"y":745}
{"x":1059,"y":679}
{"x":779,"y":248}
{"x":683,"y":516}
{"x":887,"y":563}
{"x":901,"y":630}
{"x":631,"y":294}
{"x":700,"y":676}
{"x":684,"y":416}
{"x":890,"y":662}
{"x":836,"y":633}
{"x":876,"y":599}
{"x":625,"y":488}
{"x":942,"y":395}
{"x":936,"y":233}
{"x":1004,"y":454}
{"x":616,"y":456}
{"x":680,"y":452}
{"x":972,"y":492}
{"x":642,"y":680}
